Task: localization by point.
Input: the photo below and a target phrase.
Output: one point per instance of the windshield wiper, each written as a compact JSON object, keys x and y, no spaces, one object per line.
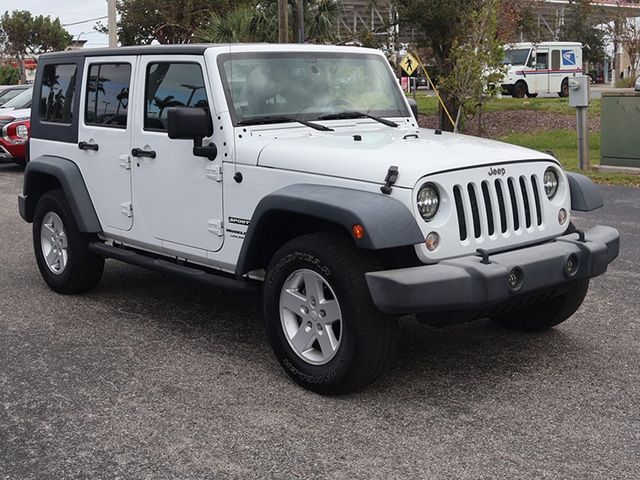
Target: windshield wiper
{"x":350,"y":115}
{"x":283,"y":119}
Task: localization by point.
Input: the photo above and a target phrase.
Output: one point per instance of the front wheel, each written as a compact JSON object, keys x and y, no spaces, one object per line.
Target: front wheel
{"x":545,"y":314}
{"x":61,"y":250}
{"x":519,"y":89}
{"x":321,"y":322}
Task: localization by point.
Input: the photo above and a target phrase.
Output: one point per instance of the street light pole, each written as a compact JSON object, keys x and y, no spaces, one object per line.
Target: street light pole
{"x":283,"y":21}
{"x":111,"y":22}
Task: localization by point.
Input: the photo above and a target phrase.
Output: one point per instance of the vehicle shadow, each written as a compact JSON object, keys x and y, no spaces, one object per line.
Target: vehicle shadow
{"x":470,"y":359}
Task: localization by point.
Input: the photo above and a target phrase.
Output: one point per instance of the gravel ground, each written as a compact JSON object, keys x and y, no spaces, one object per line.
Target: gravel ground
{"x":151,"y":377}
{"x":498,"y":124}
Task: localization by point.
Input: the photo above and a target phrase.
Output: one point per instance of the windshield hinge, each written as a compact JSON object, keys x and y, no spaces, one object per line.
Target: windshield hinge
{"x":214,"y":172}
{"x":391,"y":178}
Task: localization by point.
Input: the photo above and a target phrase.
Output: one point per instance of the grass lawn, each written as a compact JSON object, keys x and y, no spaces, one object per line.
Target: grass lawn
{"x":564,"y":145}
{"x":428,"y":105}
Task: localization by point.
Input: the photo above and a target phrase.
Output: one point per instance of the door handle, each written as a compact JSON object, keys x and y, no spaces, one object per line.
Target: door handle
{"x":88,"y":146}
{"x":138,"y":152}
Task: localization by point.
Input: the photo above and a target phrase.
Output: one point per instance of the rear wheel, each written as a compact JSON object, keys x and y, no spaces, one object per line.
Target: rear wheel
{"x":519,"y":89}
{"x":61,"y":250}
{"x":547,"y":313}
{"x":564,"y":88}
{"x":321,"y":322}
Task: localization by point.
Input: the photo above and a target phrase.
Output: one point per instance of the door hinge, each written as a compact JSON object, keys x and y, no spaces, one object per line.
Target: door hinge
{"x":214,"y":172}
{"x":216,"y":227}
{"x":126,"y":209}
{"x":125,"y":161}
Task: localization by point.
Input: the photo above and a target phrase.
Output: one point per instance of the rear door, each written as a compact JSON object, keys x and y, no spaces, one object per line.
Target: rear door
{"x":178,"y":195}
{"x":542,"y":71}
{"x":104,"y":137}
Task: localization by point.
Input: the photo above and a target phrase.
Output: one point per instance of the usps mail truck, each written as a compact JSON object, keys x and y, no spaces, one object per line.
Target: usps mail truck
{"x":545,"y":67}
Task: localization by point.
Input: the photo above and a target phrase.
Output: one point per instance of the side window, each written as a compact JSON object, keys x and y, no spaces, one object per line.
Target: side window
{"x":108,"y":95}
{"x":555,"y":60}
{"x":57,"y":93}
{"x":542,"y":61}
{"x":172,"y":85}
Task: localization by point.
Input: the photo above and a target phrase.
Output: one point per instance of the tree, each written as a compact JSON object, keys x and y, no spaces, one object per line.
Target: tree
{"x":167,"y":21}
{"x":581,"y":18}
{"x":23,"y":34}
{"x":629,"y":37}
{"x":257,"y":21}
{"x":475,"y":59}
{"x":447,"y":27}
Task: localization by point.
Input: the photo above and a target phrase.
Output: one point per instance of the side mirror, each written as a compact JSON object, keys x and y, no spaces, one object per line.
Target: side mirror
{"x":192,"y":123}
{"x":188,"y":123}
{"x":414,"y":107}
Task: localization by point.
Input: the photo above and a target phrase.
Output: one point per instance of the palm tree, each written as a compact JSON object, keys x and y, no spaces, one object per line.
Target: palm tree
{"x":258,"y":23}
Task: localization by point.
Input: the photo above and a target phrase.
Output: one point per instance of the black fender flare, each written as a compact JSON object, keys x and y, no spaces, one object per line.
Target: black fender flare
{"x":38,"y":177}
{"x":585,"y":195}
{"x":388,"y":223}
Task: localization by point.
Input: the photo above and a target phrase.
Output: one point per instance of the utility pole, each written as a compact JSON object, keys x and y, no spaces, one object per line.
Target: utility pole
{"x":300,"y":21}
{"x":283,"y":21}
{"x":111,"y":22}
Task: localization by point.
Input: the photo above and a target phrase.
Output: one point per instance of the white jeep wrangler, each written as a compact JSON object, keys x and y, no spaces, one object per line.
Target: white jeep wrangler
{"x":299,"y":171}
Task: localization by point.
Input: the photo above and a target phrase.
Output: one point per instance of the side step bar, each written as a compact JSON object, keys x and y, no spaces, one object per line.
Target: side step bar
{"x":159,"y":265}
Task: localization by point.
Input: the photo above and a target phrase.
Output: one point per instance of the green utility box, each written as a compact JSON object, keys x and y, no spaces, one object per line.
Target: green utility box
{"x":620,"y":129}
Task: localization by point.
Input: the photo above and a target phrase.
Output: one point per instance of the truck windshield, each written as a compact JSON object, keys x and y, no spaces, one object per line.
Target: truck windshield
{"x":516,"y":56}
{"x":308,"y":85}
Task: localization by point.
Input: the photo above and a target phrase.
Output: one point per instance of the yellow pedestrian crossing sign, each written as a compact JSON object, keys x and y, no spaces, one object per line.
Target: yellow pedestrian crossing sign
{"x":409,"y":64}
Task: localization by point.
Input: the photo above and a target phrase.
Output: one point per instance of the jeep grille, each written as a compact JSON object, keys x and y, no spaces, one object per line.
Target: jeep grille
{"x":502,"y":205}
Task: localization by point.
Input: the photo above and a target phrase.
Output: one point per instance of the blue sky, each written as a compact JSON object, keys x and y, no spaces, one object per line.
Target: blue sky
{"x":69,"y":11}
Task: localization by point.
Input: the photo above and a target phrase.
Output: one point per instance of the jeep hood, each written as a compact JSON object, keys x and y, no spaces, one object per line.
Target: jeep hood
{"x":416,"y":153}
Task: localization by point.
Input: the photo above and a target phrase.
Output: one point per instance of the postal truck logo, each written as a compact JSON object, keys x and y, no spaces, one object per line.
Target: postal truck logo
{"x":568,"y":58}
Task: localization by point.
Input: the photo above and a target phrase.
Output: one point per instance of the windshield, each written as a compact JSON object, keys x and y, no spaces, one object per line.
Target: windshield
{"x":309,"y":85}
{"x":9,"y":93}
{"x":22,"y":100}
{"x":516,"y":56}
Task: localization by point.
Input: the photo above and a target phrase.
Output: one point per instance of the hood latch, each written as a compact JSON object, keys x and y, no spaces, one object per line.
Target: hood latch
{"x":392,"y":177}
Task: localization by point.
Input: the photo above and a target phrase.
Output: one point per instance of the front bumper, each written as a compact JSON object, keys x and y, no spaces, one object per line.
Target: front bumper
{"x":467,"y":284}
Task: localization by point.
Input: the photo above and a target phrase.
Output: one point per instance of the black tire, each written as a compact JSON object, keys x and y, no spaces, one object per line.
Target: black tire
{"x":367,"y":336}
{"x":547,"y":313}
{"x":564,"y":88}
{"x":519,"y":89}
{"x":83,"y":269}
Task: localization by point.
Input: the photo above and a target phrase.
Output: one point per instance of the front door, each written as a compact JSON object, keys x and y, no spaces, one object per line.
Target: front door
{"x":177,"y":195}
{"x":104,"y":138}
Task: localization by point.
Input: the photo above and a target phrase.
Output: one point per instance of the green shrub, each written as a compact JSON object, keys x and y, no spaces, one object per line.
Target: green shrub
{"x":8,"y":75}
{"x":627,"y":82}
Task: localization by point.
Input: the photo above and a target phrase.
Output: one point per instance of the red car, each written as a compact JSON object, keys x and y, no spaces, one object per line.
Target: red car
{"x":14,"y":138}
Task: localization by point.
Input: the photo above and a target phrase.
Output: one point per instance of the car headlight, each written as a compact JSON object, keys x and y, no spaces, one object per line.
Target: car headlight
{"x":550,"y":182}
{"x":428,"y":201}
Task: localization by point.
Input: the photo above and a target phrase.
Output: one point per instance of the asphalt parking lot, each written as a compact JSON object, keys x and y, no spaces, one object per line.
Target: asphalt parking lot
{"x":153,"y":377}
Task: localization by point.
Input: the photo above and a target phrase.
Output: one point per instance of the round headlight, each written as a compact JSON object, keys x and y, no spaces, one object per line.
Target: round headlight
{"x":550,"y":182}
{"x":428,"y":201}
